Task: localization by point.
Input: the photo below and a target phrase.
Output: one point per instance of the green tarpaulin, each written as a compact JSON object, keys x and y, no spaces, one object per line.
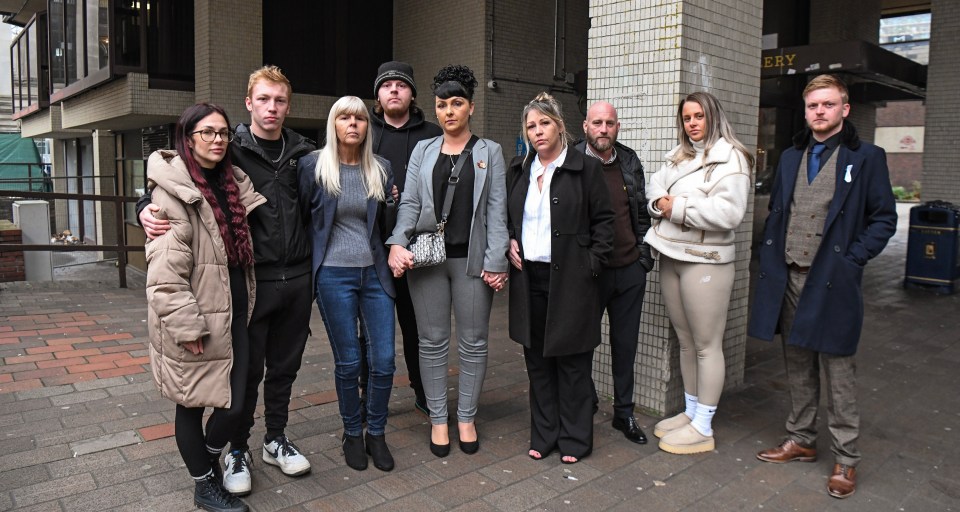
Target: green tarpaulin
{"x":20,"y":161}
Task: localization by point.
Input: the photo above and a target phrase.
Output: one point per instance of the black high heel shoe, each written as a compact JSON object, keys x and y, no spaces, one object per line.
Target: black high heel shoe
{"x":470,"y":447}
{"x":440,"y":450}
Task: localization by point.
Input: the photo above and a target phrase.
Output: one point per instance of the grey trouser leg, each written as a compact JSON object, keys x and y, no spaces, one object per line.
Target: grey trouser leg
{"x":803,"y":375}
{"x":433,"y":291}
{"x":697,"y":297}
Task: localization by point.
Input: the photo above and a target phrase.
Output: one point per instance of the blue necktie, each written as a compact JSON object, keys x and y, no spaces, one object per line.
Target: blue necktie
{"x":813,"y":162}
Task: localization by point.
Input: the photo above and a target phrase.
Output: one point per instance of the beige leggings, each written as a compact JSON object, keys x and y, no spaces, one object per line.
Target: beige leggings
{"x":697,"y":296}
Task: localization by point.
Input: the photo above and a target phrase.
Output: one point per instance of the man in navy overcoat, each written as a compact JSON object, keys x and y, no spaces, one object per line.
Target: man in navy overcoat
{"x":831,"y":210}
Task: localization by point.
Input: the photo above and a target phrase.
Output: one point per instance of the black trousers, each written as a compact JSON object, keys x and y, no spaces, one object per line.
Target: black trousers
{"x":407,"y":319}
{"x":192,"y":441}
{"x":561,"y":388}
{"x":278,"y":336}
{"x":621,"y":290}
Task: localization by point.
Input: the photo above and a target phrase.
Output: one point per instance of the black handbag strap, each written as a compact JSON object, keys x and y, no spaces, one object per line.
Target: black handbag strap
{"x":453,"y":180}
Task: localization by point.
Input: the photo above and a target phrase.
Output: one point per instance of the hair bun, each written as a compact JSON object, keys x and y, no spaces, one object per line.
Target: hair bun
{"x":455,"y":73}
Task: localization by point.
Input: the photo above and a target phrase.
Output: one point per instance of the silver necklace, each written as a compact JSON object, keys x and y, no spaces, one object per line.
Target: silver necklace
{"x":282,"y":148}
{"x":453,"y":163}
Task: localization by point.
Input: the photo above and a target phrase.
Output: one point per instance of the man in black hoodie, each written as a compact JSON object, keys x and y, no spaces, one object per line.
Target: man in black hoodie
{"x":398,"y":125}
{"x":624,"y":278}
{"x":268,"y":153}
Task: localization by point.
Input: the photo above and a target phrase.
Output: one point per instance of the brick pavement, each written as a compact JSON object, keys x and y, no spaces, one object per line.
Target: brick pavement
{"x":82,"y":428}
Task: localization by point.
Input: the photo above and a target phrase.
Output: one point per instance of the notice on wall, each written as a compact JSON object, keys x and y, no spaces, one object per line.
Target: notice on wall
{"x":900,"y":139}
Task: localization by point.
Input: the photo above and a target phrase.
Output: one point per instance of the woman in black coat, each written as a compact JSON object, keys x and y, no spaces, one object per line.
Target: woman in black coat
{"x":561,"y":229}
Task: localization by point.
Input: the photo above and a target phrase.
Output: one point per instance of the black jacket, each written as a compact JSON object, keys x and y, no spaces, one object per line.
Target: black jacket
{"x":581,"y":221}
{"x":634,"y":180}
{"x":281,"y":245}
{"x":396,"y":144}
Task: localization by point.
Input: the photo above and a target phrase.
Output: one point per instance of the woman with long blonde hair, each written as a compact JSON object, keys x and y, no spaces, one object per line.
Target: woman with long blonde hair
{"x":345,"y":189}
{"x":697,"y":200}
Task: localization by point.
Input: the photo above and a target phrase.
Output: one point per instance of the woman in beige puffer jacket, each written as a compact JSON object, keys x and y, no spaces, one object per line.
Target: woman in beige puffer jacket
{"x":200,"y":292}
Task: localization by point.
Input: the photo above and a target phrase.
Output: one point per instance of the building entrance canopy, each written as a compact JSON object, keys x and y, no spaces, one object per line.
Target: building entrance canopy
{"x":872,"y":73}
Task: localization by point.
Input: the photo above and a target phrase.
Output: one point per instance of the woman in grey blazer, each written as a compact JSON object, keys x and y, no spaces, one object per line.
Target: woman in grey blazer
{"x":476,"y":243}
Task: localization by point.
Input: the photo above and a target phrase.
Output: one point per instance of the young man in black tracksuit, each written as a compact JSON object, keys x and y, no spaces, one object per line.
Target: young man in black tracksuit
{"x":624,"y":278}
{"x":398,"y":125}
{"x":268,"y":153}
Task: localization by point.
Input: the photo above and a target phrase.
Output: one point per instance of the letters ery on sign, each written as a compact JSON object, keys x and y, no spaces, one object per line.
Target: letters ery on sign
{"x":778,"y":61}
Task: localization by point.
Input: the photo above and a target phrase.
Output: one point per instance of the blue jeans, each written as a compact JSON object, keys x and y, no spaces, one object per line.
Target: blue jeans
{"x":345,"y":296}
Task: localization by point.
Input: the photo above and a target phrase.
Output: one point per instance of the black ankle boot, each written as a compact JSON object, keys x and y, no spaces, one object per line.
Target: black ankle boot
{"x":353,"y":452}
{"x":378,"y":450}
{"x":210,"y":495}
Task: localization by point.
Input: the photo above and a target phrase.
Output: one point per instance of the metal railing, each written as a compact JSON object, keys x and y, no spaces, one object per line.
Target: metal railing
{"x":117,"y":202}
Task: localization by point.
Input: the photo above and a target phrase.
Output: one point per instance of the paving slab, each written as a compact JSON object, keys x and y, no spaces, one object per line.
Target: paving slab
{"x":907,"y":370}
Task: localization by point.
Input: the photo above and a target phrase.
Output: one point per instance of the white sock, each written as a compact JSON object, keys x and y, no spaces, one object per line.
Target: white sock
{"x":704,"y":419}
{"x":691,"y":402}
{"x":204,"y":477}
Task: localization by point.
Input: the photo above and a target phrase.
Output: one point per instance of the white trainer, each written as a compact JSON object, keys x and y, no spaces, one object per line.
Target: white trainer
{"x":236,"y":478}
{"x":284,"y":454}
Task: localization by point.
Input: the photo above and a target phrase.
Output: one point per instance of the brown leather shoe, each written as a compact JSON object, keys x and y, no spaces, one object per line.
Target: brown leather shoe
{"x":788,"y":451}
{"x":843,"y":481}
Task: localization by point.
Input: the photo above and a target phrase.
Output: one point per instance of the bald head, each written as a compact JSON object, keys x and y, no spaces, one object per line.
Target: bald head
{"x":601,"y":128}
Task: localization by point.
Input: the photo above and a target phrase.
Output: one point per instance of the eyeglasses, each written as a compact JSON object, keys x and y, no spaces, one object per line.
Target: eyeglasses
{"x":209,"y":135}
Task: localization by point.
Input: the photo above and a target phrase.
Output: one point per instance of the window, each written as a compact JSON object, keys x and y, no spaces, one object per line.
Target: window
{"x":329,"y":48}
{"x":170,"y":43}
{"x":28,"y":63}
{"x":132,"y":169}
{"x":128,"y":36}
{"x":907,"y":35}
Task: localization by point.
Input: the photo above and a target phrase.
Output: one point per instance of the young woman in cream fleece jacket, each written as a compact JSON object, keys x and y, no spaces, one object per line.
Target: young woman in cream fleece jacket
{"x":697,"y":200}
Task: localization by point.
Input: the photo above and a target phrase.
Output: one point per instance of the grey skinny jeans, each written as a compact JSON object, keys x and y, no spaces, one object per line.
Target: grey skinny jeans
{"x":435,"y":291}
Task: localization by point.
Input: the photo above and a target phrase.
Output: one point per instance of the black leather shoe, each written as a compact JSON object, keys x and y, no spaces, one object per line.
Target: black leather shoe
{"x":630,"y":429}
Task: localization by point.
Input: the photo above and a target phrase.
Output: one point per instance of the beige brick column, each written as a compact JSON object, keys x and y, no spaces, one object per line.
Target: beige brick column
{"x":941,"y":179}
{"x":644,"y":57}
{"x":228,"y":47}
{"x":105,"y":165}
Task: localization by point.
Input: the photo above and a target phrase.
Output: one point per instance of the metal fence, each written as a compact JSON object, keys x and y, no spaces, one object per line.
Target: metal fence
{"x":118,"y":203}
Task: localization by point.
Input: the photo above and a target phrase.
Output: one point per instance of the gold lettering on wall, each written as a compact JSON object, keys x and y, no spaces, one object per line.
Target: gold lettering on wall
{"x":779,"y":61}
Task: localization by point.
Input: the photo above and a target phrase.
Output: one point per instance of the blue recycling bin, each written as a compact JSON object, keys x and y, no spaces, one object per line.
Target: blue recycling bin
{"x":933,"y":248}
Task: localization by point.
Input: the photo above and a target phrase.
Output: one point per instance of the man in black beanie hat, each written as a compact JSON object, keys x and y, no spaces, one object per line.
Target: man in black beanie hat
{"x":398,"y":125}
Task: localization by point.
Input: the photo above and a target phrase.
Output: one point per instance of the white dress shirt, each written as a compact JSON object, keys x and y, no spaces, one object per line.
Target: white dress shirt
{"x":535,"y":237}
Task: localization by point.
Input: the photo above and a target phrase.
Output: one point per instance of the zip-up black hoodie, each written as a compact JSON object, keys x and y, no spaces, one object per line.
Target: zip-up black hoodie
{"x":396,"y":144}
{"x":281,"y":245}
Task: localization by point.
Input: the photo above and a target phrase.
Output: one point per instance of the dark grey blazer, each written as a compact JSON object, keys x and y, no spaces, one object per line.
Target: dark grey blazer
{"x":488,"y":230}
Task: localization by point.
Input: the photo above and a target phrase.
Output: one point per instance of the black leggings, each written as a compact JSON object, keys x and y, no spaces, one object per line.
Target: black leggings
{"x":188,"y":426}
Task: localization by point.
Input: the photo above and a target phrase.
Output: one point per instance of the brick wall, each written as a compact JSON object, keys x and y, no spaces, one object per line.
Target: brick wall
{"x":429,"y":35}
{"x":902,"y":113}
{"x":643,"y":60}
{"x":905,"y":168}
{"x":847,"y":20}
{"x":225,"y":58}
{"x":523,"y":64}
{"x":511,"y":41}
{"x":941,"y":179}
{"x":11,"y":262}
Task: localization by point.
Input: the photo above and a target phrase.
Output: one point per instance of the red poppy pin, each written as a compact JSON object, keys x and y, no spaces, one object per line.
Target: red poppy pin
{"x":481,"y":164}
